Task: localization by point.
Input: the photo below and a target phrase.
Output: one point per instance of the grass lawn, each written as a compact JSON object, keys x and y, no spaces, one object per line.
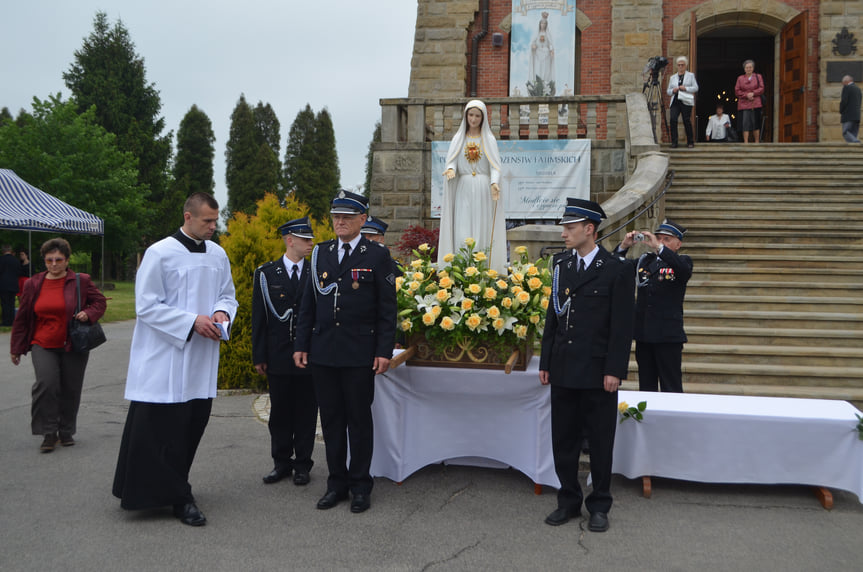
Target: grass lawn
{"x":121,"y":304}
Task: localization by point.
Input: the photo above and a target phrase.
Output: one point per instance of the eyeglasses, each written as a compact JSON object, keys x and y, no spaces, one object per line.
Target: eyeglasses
{"x":55,"y":260}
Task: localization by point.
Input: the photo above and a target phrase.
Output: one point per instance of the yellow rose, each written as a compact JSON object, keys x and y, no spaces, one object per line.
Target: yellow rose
{"x":418,"y":276}
{"x":544,"y":303}
{"x":546,"y":290}
{"x":534,"y":319}
{"x":493,"y":312}
{"x":406,"y":325}
{"x":428,"y":318}
{"x":517,"y":277}
{"x":448,"y":257}
{"x":501,"y":284}
{"x":521,"y":250}
{"x":445,"y":282}
{"x":516,"y":289}
{"x":469,"y":242}
{"x":442,"y":295}
{"x":532,"y":271}
{"x":491,"y":273}
{"x":534,"y":283}
{"x":423,"y":247}
{"x":520,"y":331}
{"x":489,"y":294}
{"x":479,"y":256}
{"x":506,"y":302}
{"x":523,"y":297}
{"x":416,"y":263}
{"x":436,"y":311}
{"x":622,"y":406}
{"x":474,"y":289}
{"x":466,"y":304}
{"x":447,"y":323}
{"x":443,"y":274}
{"x":400,"y":280}
{"x":473,"y":321}
{"x":471,"y":271}
{"x":498,"y":323}
{"x":413,"y":285}
{"x":431,"y":288}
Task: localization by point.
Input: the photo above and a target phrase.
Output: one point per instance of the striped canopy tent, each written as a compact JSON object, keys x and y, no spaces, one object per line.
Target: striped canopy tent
{"x":24,"y":207}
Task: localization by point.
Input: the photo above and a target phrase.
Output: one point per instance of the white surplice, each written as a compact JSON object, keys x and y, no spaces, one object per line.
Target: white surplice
{"x":172,"y":288}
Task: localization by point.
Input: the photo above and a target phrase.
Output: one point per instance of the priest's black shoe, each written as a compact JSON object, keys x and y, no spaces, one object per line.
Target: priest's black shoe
{"x":598,"y":522}
{"x":561,"y":516}
{"x":277,"y":475}
{"x":331,"y":499}
{"x":189,"y":514}
{"x":360,"y":503}
{"x":301,"y":478}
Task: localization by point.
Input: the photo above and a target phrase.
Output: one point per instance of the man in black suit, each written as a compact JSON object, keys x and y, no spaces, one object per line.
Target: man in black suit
{"x":276,"y":296}
{"x":585,"y":354}
{"x":346,"y":332}
{"x":10,"y":270}
{"x":849,"y":109}
{"x":661,"y":277}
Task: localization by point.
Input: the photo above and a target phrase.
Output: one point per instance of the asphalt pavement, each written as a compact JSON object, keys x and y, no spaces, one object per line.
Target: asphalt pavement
{"x":57,"y":511}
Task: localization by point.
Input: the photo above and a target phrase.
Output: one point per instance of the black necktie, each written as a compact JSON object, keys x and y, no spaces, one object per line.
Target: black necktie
{"x":344,"y":263}
{"x":580,"y":266}
{"x":295,"y":278}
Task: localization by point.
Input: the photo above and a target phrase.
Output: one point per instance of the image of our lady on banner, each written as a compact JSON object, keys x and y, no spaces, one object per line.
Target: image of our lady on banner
{"x":541,"y":70}
{"x":542,"y":47}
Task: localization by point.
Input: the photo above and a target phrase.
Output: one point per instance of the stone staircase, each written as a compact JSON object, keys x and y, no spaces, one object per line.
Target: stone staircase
{"x":775,"y":303}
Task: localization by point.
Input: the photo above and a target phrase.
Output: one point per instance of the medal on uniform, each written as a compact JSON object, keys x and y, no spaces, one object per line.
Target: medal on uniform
{"x":355,"y":274}
{"x":324,"y":275}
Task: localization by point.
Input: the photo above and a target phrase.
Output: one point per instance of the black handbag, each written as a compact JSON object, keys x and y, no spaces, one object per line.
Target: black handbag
{"x":84,"y":335}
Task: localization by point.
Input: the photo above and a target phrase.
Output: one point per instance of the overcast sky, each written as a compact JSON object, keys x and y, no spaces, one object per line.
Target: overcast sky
{"x":344,"y":55}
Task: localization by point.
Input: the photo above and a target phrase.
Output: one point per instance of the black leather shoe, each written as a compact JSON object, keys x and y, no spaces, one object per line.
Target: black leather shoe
{"x":277,"y":475}
{"x":331,"y":499}
{"x":360,"y":503}
{"x":301,"y":478}
{"x":561,"y":516}
{"x":598,"y":522}
{"x":189,"y":514}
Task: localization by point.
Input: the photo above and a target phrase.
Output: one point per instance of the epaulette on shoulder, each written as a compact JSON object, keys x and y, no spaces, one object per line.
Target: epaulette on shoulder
{"x":265,"y":265}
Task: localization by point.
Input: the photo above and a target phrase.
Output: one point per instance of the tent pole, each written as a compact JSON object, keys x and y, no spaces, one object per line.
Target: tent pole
{"x":102,"y":281}
{"x":30,"y":252}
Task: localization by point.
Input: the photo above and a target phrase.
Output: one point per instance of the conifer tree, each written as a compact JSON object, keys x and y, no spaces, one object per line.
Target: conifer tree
{"x":370,"y":158}
{"x":193,"y":167}
{"x":311,"y":161}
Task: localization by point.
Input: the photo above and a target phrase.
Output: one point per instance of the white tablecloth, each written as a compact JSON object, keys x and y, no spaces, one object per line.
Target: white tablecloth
{"x":425,"y":415}
{"x":737,"y":439}
{"x":429,"y":415}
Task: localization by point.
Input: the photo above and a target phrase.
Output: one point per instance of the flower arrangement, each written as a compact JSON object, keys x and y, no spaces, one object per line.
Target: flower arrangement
{"x":462,"y":303}
{"x":627,"y":412}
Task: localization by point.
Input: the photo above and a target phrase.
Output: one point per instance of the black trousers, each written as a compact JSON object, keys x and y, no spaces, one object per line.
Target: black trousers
{"x":156,"y":453}
{"x":345,"y":396}
{"x":293,"y":420}
{"x":574,"y":414}
{"x":679,"y":109}
{"x":659,"y":367}
{"x":57,"y":390}
{"x":7,"y":303}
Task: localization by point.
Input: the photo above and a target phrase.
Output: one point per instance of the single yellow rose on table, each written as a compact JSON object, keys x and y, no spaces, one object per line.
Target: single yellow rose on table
{"x":622,"y":406}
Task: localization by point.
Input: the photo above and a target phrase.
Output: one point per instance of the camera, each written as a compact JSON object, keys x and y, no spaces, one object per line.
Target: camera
{"x":656,"y":63}
{"x":638,"y":237}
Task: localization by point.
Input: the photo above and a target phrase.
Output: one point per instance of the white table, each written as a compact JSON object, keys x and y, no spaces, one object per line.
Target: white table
{"x":426,"y":415}
{"x":742,"y":439}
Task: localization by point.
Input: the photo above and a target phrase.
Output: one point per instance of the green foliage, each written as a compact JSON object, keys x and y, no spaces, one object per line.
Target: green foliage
{"x":5,"y":115}
{"x":370,"y":157}
{"x":251,"y":241}
{"x":193,"y":167}
{"x":71,"y":157}
{"x":252,"y":156}
{"x":539,"y":88}
{"x":311,"y":161}
{"x":108,"y":74}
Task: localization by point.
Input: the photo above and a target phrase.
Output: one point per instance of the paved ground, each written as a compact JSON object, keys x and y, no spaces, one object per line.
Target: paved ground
{"x":57,"y":512}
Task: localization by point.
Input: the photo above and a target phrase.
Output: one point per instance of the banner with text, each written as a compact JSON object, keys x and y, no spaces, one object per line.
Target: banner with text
{"x":536,"y":177}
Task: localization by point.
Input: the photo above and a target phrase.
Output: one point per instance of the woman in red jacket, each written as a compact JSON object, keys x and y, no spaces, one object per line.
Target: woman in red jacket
{"x":749,"y":89}
{"x":47,"y":305}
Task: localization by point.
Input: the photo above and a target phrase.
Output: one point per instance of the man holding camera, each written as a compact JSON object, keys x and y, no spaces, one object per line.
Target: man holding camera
{"x":661,"y":277}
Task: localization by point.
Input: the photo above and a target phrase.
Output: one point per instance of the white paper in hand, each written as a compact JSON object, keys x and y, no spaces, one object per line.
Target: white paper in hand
{"x":224,"y":330}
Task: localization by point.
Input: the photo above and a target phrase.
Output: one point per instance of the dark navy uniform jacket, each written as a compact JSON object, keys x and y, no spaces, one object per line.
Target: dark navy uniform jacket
{"x":272,"y":337}
{"x":660,"y":285}
{"x":593,"y":336}
{"x":353,"y":322}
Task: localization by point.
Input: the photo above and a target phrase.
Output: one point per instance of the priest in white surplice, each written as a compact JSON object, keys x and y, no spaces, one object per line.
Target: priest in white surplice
{"x":184,"y":299}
